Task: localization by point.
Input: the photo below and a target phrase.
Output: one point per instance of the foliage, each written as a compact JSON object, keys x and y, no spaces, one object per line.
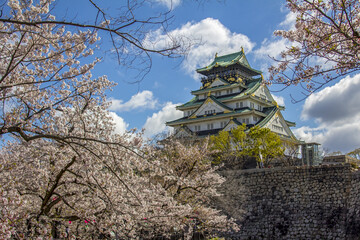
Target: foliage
{"x":263,"y":144}
{"x":64,"y":173}
{"x":326,"y":43}
{"x":228,"y":145}
{"x":355,"y":153}
{"x":257,"y":142}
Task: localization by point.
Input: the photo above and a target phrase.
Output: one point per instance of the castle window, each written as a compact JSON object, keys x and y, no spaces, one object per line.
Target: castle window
{"x":229,"y":91}
{"x":247,"y":121}
{"x":259,"y":107}
{"x":237,"y":105}
{"x":251,"y":105}
{"x":223,"y":124}
{"x":210,"y":112}
{"x":218,"y":93}
{"x":255,"y":119}
{"x":197,"y":128}
{"x":210,"y":126}
{"x":241,"y":104}
{"x":280,"y":129}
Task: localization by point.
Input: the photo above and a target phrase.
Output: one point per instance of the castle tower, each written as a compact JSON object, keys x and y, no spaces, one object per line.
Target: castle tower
{"x":231,"y":94}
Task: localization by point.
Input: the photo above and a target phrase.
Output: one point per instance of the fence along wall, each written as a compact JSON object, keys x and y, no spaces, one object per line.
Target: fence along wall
{"x":320,"y":202}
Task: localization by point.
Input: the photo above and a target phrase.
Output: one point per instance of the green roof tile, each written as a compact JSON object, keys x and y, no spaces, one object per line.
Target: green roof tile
{"x":227,"y":60}
{"x":186,"y":119}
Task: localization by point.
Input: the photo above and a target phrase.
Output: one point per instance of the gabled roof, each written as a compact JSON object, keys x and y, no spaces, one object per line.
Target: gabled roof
{"x":219,"y":79}
{"x":252,"y":86}
{"x":185,"y":130}
{"x":232,"y":121}
{"x":209,"y":100}
{"x":228,"y":60}
{"x":271,"y":111}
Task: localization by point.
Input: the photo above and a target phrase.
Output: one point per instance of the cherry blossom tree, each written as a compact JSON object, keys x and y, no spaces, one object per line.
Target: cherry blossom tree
{"x":66,"y":190}
{"x":64,"y":173}
{"x":325,"y":44}
{"x":123,"y":24}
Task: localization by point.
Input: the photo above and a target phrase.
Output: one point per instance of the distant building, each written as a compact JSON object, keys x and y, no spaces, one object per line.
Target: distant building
{"x":340,"y":159}
{"x":310,"y":153}
{"x":231,"y":94}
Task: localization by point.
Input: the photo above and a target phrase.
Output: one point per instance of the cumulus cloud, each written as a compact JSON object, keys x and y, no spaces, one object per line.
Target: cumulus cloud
{"x":170,"y":4}
{"x":272,"y":48}
{"x":338,"y":103}
{"x":141,"y":100}
{"x":120,"y":124}
{"x":156,"y":123}
{"x":289,"y":22}
{"x":209,"y":36}
{"x":337,"y":112}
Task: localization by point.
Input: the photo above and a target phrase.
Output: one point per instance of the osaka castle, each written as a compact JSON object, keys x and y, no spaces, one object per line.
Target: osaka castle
{"x":231,"y":94}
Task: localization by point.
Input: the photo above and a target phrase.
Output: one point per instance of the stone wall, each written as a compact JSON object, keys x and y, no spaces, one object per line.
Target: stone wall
{"x":340,"y":159}
{"x":318,"y":202}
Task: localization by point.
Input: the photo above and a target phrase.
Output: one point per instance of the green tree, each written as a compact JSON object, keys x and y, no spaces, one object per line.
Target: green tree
{"x":260,"y":143}
{"x":263,"y":144}
{"x":228,"y":145}
{"x":355,"y":153}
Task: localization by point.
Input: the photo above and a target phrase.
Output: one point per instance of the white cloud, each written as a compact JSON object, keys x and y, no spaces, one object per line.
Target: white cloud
{"x":156,"y":123}
{"x":141,"y":100}
{"x":170,"y":4}
{"x":209,"y":36}
{"x":333,"y":137}
{"x":272,"y":48}
{"x":337,"y":112}
{"x":289,"y":22}
{"x":120,"y":125}
{"x":280,"y":100}
{"x":338,"y":103}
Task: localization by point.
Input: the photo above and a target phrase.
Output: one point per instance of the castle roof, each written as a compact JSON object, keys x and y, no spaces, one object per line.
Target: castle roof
{"x":237,"y":58}
{"x":233,"y":113}
{"x":250,"y":88}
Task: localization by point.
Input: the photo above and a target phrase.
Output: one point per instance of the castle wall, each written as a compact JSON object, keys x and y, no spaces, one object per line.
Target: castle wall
{"x":318,"y":202}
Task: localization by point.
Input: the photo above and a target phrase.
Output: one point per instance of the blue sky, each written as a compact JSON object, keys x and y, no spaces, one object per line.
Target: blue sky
{"x":326,"y":117}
